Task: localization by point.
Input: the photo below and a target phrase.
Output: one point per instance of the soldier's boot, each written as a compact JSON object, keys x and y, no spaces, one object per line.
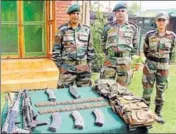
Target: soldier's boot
{"x":158,"y":113}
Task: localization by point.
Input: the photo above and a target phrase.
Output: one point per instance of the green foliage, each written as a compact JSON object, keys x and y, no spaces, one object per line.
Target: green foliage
{"x":137,"y":60}
{"x":97,"y":31}
{"x":134,"y":8}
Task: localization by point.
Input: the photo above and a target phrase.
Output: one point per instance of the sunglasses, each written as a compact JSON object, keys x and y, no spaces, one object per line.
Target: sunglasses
{"x":161,"y":20}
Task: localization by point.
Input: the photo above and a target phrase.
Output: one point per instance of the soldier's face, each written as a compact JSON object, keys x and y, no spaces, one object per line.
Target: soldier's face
{"x":161,"y":23}
{"x":121,"y":14}
{"x":74,"y":17}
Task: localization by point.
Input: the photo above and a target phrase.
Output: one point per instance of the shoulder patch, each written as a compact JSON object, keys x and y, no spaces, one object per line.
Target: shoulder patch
{"x":135,"y":25}
{"x":63,"y":27}
{"x":150,"y":32}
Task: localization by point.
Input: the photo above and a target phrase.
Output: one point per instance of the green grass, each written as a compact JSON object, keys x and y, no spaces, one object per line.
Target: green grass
{"x":169,"y":109}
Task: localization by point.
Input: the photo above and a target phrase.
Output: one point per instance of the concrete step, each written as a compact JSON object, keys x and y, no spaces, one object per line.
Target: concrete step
{"x":28,"y":73}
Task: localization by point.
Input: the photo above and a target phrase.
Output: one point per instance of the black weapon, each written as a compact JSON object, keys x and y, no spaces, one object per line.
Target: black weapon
{"x":10,"y":125}
{"x":56,"y":121}
{"x":73,"y":92}
{"x":99,"y":117}
{"x":51,"y":94}
{"x":79,"y":121}
{"x":30,"y":121}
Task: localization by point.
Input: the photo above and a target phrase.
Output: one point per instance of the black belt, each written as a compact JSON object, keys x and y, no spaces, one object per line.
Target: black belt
{"x":161,"y":60}
{"x":121,"y":54}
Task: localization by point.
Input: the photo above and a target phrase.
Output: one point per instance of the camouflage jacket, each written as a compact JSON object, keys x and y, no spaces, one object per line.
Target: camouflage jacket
{"x":123,"y":37}
{"x":159,"y":46}
{"x":73,"y":44}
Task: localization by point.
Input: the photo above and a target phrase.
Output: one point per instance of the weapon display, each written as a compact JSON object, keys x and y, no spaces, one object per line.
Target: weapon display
{"x":10,"y":125}
{"x":99,"y":117}
{"x":79,"y":121}
{"x":75,"y":107}
{"x":42,"y":104}
{"x":73,"y":92}
{"x":56,"y":121}
{"x":30,"y":121}
{"x":51,"y":95}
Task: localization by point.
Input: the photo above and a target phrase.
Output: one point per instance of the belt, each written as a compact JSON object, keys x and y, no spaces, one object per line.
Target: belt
{"x":75,"y":62}
{"x":161,"y":60}
{"x":122,"y":54}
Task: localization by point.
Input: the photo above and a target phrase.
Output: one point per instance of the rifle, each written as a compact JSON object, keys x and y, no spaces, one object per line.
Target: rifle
{"x":30,"y":121}
{"x":10,"y":125}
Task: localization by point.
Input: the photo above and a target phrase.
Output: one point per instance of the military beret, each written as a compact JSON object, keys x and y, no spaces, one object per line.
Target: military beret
{"x":162,"y":15}
{"x":120,"y":6}
{"x":73,"y":8}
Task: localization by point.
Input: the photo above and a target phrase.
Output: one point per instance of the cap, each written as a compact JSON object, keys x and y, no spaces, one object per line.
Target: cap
{"x":120,"y":6}
{"x":73,"y":8}
{"x":162,"y":15}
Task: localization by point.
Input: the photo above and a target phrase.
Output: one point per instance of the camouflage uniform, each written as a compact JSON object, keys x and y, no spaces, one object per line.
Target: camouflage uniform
{"x":73,"y":53}
{"x":119,"y":41}
{"x":158,"y":51}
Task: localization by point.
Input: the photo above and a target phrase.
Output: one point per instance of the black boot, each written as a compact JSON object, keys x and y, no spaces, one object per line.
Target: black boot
{"x":158,"y":113}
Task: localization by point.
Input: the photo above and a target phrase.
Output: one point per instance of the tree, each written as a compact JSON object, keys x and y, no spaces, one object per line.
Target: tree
{"x":97,"y":30}
{"x":134,"y":8}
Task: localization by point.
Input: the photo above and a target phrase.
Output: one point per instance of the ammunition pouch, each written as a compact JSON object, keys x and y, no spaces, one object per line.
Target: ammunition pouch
{"x":132,"y":109}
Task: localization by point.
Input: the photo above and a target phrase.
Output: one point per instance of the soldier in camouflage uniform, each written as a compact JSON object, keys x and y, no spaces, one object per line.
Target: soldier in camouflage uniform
{"x":73,"y":51}
{"x":119,"y":44}
{"x":158,"y":50}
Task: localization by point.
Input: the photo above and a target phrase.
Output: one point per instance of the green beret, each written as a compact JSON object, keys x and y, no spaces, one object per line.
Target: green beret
{"x":120,"y":6}
{"x":73,"y":8}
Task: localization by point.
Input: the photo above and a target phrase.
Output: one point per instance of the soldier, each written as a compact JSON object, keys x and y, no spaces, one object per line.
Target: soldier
{"x":119,"y":43}
{"x":73,"y":51}
{"x":158,"y":50}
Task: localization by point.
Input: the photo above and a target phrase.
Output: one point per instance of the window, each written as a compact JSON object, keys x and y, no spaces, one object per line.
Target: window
{"x":25,"y":26}
{"x":9,"y":31}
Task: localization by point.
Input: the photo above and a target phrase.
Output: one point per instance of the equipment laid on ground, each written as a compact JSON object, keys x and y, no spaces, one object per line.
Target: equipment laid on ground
{"x":132,"y":109}
{"x":30,"y":121}
{"x":77,"y":101}
{"x":51,"y":95}
{"x":99,"y":117}
{"x":75,"y":107}
{"x":79,"y":121}
{"x":56,"y":122}
{"x":73,"y":92}
{"x":10,"y":125}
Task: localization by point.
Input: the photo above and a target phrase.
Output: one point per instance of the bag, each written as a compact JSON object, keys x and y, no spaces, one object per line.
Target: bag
{"x":131,"y":109}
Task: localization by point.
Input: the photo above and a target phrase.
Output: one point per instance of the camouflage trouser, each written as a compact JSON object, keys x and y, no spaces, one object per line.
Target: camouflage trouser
{"x":118,"y":69}
{"x":152,"y":72}
{"x":72,"y":71}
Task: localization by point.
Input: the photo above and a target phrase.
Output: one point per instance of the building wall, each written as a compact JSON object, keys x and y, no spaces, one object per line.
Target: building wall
{"x":60,"y":12}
